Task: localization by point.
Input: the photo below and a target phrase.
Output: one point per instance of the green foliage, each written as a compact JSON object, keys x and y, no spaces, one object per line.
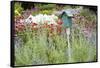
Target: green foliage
{"x":45,"y":6}
{"x":89,"y":15}
{"x":46,"y":11}
{"x":82,"y":49}
{"x":18,"y":9}
{"x":87,"y":19}
{"x":38,"y":48}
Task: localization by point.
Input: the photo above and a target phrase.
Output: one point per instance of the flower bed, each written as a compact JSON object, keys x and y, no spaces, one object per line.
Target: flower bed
{"x":44,"y":41}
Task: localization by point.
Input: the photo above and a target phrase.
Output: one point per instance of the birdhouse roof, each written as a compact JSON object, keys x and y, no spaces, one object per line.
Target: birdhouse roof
{"x":69,"y":14}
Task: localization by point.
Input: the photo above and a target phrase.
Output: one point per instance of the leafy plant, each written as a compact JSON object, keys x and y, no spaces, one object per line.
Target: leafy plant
{"x":18,"y":9}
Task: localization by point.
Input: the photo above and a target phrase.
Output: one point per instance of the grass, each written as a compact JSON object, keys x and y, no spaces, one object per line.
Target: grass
{"x":83,"y":50}
{"x":39,"y":48}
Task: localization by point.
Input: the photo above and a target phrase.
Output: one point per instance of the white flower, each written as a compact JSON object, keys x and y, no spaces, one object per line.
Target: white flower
{"x":41,"y":19}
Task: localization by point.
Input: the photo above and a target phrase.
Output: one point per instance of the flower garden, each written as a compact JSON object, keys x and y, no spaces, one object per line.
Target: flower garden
{"x":40,"y":37}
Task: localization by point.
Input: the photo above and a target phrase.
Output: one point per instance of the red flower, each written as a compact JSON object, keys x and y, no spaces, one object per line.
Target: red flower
{"x":59,"y":22}
{"x":45,"y":25}
{"x":59,"y":26}
{"x":19,"y":27}
{"x":51,"y":28}
{"x":59,"y":29}
{"x":34,"y":26}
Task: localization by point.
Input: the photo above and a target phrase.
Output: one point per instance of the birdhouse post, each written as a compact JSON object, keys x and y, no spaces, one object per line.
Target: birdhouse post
{"x":66,"y":17}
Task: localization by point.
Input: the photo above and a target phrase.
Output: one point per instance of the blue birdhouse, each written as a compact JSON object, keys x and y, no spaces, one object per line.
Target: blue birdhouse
{"x":66,"y":17}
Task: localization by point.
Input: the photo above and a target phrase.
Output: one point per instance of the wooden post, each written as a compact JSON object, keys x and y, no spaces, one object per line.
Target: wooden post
{"x":69,"y":47}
